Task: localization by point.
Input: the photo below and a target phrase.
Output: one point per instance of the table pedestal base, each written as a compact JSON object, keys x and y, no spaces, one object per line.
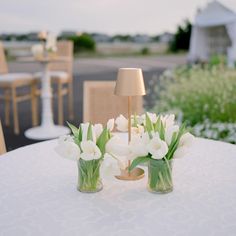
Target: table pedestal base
{"x":135,"y":174}
{"x":44,"y":132}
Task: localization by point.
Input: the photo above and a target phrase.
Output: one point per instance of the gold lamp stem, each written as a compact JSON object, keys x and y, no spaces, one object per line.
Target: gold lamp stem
{"x":136,"y":173}
{"x":129,"y":125}
{"x":129,"y":118}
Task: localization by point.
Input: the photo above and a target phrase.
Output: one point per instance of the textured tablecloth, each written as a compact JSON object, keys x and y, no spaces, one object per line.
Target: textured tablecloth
{"x":38,"y":196}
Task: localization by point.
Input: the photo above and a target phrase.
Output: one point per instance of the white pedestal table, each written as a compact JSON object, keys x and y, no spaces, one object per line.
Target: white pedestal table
{"x":47,"y":129}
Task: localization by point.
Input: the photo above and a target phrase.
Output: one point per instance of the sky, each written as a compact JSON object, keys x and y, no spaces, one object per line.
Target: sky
{"x":103,"y":16}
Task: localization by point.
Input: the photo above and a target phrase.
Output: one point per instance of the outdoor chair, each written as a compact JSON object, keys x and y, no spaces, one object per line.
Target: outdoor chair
{"x":100,"y":104}
{"x":2,"y":141}
{"x":10,"y":83}
{"x":61,"y":74}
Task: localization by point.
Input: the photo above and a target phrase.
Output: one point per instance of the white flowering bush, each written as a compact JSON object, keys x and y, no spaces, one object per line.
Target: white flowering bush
{"x":200,"y":96}
{"x":217,"y":131}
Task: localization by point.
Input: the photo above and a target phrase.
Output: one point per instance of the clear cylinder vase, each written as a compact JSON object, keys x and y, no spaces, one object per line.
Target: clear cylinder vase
{"x":89,"y":180}
{"x":160,"y":176}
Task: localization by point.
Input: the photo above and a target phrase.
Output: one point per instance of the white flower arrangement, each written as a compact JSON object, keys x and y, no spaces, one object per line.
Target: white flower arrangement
{"x":51,"y":43}
{"x":50,"y":46}
{"x":88,"y":143}
{"x":160,"y":141}
{"x":156,"y":137}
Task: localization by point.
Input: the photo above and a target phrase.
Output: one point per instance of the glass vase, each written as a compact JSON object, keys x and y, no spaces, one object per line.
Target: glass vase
{"x":89,"y":180}
{"x":160,"y":176}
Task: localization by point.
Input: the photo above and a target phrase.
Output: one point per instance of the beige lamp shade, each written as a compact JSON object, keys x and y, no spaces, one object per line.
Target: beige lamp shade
{"x":130,"y":82}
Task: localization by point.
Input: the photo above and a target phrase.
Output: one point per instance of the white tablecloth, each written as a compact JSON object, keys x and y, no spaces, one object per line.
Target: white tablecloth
{"x":38,"y":196}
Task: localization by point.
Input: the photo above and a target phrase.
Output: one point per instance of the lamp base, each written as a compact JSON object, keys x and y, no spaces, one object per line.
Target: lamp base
{"x":135,"y":174}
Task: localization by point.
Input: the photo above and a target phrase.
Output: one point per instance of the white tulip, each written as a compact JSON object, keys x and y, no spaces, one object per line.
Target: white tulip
{"x":168,"y":120}
{"x":90,"y":151}
{"x":186,"y":140}
{"x":157,"y":148}
{"x":140,"y":119}
{"x":137,"y":130}
{"x":109,"y":166}
{"x":117,"y":147}
{"x":152,"y":116}
{"x":93,"y":134}
{"x":110,"y":124}
{"x":67,"y":149}
{"x":170,"y":130}
{"x":121,"y":123}
{"x":184,"y":144}
{"x":146,"y":138}
{"x":98,"y":128}
{"x":155,"y":134}
{"x":138,"y":147}
{"x":84,"y":127}
{"x":180,"y":152}
{"x":65,"y":138}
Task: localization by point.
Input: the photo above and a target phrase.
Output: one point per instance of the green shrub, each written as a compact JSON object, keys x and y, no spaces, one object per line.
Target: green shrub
{"x":182,"y":36}
{"x":145,"y":51}
{"x":83,"y":42}
{"x":122,"y":38}
{"x":217,"y":60}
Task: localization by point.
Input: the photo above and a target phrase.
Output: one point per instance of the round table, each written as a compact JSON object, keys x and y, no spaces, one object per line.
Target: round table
{"x":38,"y":196}
{"x":47,"y":129}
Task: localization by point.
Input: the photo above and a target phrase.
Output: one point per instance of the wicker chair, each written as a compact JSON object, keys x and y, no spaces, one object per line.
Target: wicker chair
{"x":62,"y":76}
{"x":2,"y":141}
{"x":100,"y":103}
{"x":9,"y":83}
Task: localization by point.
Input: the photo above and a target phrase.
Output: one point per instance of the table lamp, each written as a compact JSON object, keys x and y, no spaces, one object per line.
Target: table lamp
{"x":130,"y":83}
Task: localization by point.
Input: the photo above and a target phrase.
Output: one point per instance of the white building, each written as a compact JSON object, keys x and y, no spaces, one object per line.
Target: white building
{"x":213,"y":32}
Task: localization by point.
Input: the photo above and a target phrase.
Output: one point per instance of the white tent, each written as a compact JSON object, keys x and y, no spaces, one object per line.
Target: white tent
{"x":213,"y":32}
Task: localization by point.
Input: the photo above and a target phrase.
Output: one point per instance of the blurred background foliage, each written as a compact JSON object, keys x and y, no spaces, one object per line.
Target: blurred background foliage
{"x":202,"y":95}
{"x":83,"y":42}
{"x":181,"y":38}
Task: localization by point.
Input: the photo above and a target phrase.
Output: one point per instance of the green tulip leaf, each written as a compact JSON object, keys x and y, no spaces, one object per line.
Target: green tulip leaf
{"x":138,"y":161}
{"x":90,"y":133}
{"x":102,"y":140}
{"x":149,"y":126}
